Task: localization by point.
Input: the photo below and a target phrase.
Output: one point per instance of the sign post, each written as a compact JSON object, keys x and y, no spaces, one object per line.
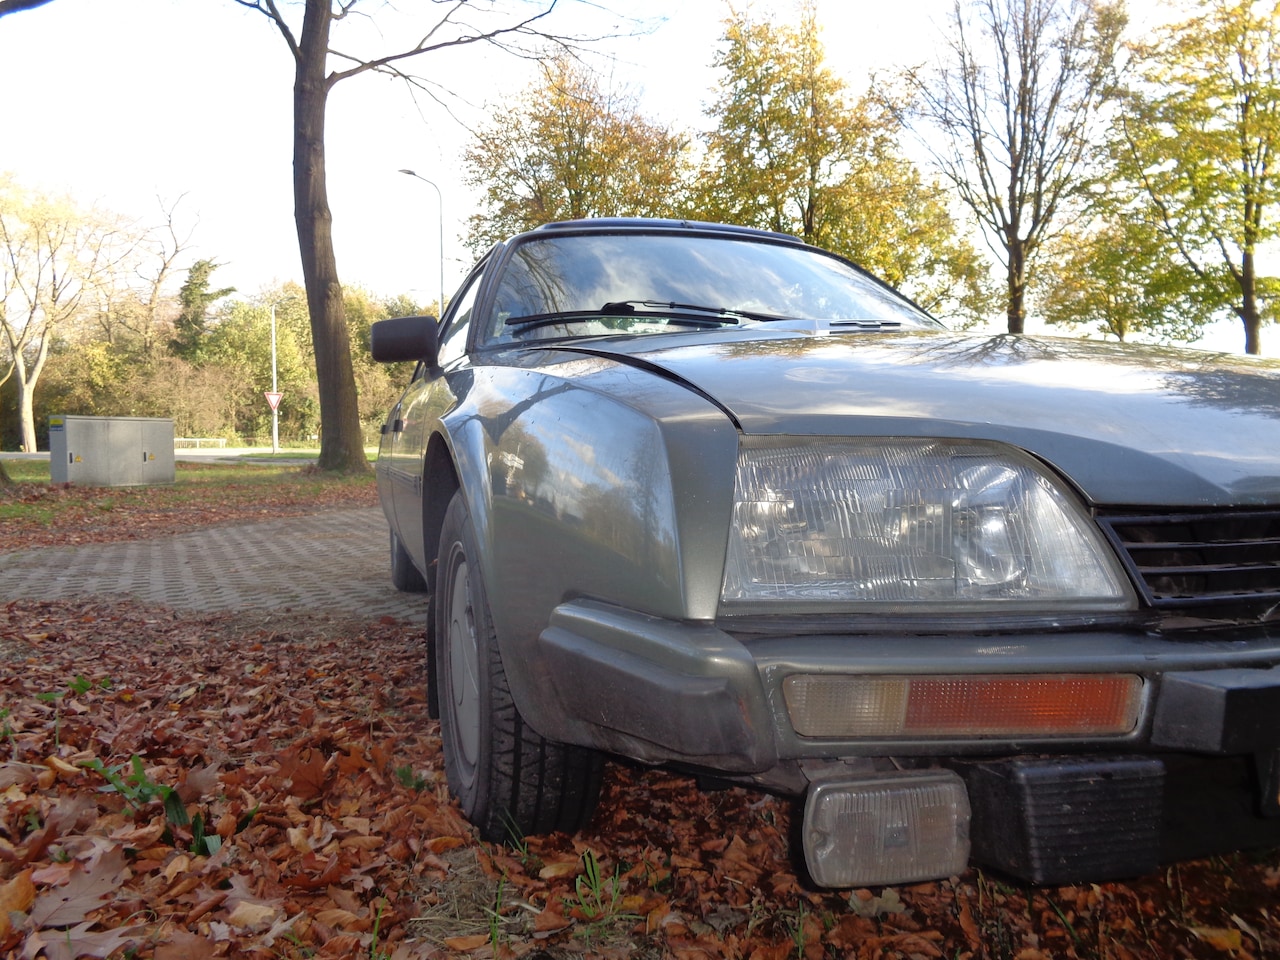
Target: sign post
{"x":273,"y":398}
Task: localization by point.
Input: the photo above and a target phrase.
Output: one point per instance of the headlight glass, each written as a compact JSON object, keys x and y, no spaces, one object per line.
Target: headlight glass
{"x":910,"y":521}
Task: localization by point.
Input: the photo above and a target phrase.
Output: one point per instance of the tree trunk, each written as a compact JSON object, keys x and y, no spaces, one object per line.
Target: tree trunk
{"x":25,"y":379}
{"x":1017,"y":280}
{"x":341,"y":439}
{"x":27,"y":415}
{"x":5,"y":481}
{"x":1249,"y":305}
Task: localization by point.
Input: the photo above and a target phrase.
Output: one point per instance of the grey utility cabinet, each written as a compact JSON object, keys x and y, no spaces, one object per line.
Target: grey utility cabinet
{"x":110,"y":451}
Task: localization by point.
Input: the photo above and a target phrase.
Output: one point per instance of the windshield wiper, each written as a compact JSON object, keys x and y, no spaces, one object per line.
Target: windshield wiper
{"x":726,"y":314}
{"x":706,"y":316}
{"x":867,"y":324}
{"x":533,"y":320}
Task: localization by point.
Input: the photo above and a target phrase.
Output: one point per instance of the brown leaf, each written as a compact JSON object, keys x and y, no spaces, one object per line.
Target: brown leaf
{"x":562,"y":868}
{"x":182,"y":945}
{"x":463,"y":944}
{"x":307,"y":778}
{"x":341,"y":919}
{"x":17,"y":896}
{"x":1226,"y":939}
{"x":80,"y":941}
{"x":550,"y":920}
{"x":254,"y":917}
{"x":86,"y":890}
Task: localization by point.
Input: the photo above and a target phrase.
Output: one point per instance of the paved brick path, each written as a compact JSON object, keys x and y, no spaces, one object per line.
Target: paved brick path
{"x":331,"y":562}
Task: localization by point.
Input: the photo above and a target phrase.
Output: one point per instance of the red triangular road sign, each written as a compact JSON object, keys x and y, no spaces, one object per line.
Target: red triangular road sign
{"x":273,"y":399}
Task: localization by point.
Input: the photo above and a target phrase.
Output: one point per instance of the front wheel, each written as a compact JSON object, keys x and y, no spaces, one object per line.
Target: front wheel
{"x":509,"y":780}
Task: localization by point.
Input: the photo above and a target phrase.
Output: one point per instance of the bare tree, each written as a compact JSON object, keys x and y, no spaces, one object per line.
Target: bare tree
{"x":51,"y":256}
{"x":137,"y":304}
{"x":452,"y":24}
{"x":1017,"y":103}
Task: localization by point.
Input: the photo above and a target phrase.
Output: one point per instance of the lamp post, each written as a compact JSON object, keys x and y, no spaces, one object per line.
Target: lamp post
{"x":440,"y":204}
{"x":274,"y":398}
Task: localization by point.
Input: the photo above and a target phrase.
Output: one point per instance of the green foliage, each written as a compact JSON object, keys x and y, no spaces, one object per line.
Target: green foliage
{"x":194,"y":300}
{"x":138,"y":789}
{"x":570,"y":148}
{"x":1199,"y":136}
{"x":1122,"y":278}
{"x":406,"y":777}
{"x":791,"y":152}
{"x":597,"y":897}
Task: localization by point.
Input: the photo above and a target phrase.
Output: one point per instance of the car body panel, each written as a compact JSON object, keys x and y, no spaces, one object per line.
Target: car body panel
{"x":1185,"y":426}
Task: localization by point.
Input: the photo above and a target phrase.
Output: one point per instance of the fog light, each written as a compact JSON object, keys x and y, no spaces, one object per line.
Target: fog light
{"x":890,"y":828}
{"x":980,"y":705}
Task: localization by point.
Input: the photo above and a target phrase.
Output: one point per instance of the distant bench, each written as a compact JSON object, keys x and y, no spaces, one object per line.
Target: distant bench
{"x":199,"y":442}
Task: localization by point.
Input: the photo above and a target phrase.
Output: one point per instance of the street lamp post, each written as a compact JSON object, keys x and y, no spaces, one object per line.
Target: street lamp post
{"x":440,"y":204}
{"x":275,"y":388}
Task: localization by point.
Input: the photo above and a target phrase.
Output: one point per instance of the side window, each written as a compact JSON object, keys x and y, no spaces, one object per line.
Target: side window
{"x":454,"y":343}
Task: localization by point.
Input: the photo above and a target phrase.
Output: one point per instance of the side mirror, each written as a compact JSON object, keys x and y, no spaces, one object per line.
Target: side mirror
{"x":405,"y":338}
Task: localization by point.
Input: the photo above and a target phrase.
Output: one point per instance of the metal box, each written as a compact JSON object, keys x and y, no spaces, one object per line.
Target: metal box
{"x":111,"y":451}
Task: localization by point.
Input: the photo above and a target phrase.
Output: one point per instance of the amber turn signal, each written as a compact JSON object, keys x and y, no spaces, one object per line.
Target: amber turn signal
{"x":961,"y":706}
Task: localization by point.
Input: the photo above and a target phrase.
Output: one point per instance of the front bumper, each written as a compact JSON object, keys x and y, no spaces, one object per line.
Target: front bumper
{"x":663,"y":691}
{"x":1042,"y":807}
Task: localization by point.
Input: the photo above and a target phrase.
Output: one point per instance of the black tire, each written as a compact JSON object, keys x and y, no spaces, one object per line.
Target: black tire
{"x":405,"y":577}
{"x":510,"y":781}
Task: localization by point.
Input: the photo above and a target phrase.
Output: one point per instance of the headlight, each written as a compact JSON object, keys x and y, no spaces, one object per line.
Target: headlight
{"x":904,"y":522}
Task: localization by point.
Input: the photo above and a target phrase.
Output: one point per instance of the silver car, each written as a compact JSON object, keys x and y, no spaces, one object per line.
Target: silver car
{"x":706,"y":496}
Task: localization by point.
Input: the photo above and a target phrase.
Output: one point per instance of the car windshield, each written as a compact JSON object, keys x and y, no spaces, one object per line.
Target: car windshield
{"x":593,"y":284}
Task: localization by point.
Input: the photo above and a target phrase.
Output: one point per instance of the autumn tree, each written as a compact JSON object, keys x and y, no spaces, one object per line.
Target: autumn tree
{"x":1122,"y":278}
{"x":570,"y":148}
{"x":1200,"y":134}
{"x":1014,"y":107}
{"x":318,"y":68}
{"x":790,"y":151}
{"x":51,"y":256}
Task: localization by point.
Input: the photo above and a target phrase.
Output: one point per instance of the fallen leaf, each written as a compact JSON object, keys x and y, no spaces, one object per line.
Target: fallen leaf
{"x":83,"y":893}
{"x":16,"y":896}
{"x":1225,"y":939}
{"x":252,"y":916}
{"x":562,"y":868}
{"x":463,"y":944}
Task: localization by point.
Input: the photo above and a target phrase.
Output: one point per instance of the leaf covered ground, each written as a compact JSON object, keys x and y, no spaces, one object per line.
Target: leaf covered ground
{"x":177,"y":785}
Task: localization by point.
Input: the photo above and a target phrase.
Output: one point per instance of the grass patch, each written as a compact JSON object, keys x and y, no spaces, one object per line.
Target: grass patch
{"x":36,"y":513}
{"x":28,"y":471}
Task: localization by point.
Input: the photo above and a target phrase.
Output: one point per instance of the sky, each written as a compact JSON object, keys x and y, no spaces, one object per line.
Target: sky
{"x":141,"y":105}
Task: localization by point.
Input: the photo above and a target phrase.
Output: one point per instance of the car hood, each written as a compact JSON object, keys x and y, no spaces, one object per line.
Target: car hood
{"x":1128,"y":424}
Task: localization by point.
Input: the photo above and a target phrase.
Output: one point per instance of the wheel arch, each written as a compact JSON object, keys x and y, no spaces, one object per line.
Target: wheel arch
{"x":439,"y":483}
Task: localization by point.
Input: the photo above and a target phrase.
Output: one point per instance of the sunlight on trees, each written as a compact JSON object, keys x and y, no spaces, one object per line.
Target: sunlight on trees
{"x":51,"y":256}
{"x":1199,"y":134}
{"x":111,"y":346}
{"x":1121,"y":278}
{"x":1013,"y":110}
{"x":789,"y":152}
{"x":569,"y":148}
{"x":191,"y":325}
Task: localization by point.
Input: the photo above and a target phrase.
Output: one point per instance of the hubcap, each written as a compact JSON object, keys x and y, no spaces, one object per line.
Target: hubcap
{"x":464,"y":669}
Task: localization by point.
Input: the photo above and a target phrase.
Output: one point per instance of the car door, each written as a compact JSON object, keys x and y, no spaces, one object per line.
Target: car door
{"x":426,"y":400}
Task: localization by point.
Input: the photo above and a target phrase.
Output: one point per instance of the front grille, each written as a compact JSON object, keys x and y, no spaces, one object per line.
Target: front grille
{"x":1185,"y":560}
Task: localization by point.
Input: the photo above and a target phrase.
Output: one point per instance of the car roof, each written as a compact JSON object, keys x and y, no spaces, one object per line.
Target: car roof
{"x":616,"y":225}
